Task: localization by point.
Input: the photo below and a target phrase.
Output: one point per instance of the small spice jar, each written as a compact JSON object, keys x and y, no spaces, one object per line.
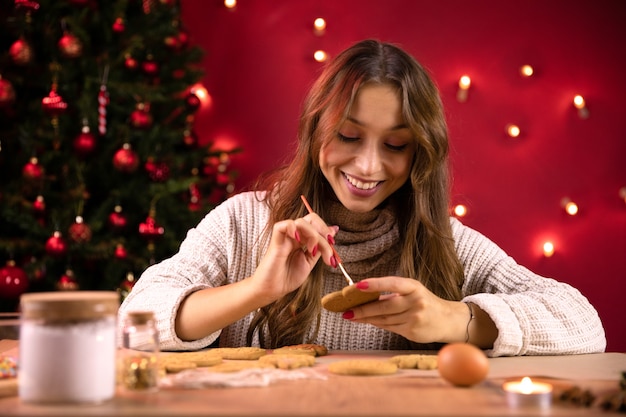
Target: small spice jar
{"x":139,"y":367}
{"x":68,"y":346}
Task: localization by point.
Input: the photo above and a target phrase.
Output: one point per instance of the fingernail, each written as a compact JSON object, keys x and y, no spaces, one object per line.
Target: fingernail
{"x":362,"y":285}
{"x":348,"y":314}
{"x":336,"y":228}
{"x":297,"y":236}
{"x":330,"y":239}
{"x":314,"y":251}
{"x":333,"y":262}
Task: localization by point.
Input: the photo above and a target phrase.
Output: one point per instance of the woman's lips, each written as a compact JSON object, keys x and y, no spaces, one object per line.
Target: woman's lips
{"x":361,"y":188}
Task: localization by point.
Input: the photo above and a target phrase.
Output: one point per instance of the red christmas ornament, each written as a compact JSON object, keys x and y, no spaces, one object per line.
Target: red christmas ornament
{"x":157,"y":171}
{"x":125,"y":159}
{"x":53,"y":105}
{"x":39,"y":205}
{"x":183,"y":39}
{"x":13,"y":281}
{"x":120,"y":252}
{"x":7,"y":93}
{"x":70,"y":46}
{"x":85,"y":142}
{"x":21,"y":52}
{"x":192,"y":102}
{"x":141,"y":117}
{"x":119,"y":26}
{"x":190,"y":138}
{"x":67,"y":282}
{"x":195,"y":203}
{"x":32,"y":170}
{"x":28,"y":5}
{"x":150,"y":229}
{"x":79,"y":232}
{"x":130,"y":62}
{"x":172,"y":42}
{"x":56,"y":246}
{"x":150,"y":67}
{"x":116,"y":219}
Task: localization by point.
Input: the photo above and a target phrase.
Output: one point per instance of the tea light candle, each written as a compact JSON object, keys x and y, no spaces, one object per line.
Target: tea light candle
{"x":528,"y":393}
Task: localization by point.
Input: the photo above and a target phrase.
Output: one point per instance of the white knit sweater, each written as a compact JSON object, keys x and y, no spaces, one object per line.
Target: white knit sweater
{"x":534,"y":315}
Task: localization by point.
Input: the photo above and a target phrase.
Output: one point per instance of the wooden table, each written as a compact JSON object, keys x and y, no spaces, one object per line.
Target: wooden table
{"x":409,"y":392}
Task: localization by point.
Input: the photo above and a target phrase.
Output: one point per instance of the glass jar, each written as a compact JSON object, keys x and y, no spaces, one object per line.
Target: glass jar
{"x":139,"y":367}
{"x":67,"y":346}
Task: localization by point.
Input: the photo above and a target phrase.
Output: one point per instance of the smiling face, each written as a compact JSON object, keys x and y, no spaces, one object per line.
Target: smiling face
{"x":370,"y":156}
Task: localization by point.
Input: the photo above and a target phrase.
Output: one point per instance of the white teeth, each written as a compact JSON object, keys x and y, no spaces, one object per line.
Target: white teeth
{"x":361,"y":185}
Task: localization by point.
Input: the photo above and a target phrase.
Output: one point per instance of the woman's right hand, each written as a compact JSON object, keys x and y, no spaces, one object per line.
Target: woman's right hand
{"x":294,"y":249}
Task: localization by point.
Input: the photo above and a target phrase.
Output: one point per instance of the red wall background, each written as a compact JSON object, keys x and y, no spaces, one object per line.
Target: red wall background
{"x":259,"y":65}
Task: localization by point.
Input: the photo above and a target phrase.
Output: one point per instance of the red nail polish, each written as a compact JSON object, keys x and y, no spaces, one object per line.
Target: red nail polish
{"x":333,"y":262}
{"x":362,"y":285}
{"x":314,"y":251}
{"x":330,"y":239}
{"x":348,"y":314}
{"x":296,"y":235}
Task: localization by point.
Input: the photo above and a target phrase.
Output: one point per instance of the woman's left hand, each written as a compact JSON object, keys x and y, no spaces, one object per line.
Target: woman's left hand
{"x":409,"y":309}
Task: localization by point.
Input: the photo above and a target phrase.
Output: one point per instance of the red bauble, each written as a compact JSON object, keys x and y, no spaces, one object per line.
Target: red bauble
{"x":150,"y":229}
{"x":56,"y":246}
{"x":67,"y":282}
{"x":120,"y":252}
{"x":13,"y":281}
{"x":85,"y":142}
{"x":171,"y":42}
{"x":21,"y":52}
{"x":70,"y":46}
{"x":157,"y":171}
{"x":116,"y":219}
{"x":130,"y":62}
{"x":125,"y":159}
{"x":7,"y":93}
{"x":32,"y":170}
{"x":192,"y":102}
{"x":39,"y":205}
{"x":79,"y":232}
{"x":141,"y":117}
{"x":190,"y":138}
{"x":150,"y":67}
{"x":119,"y":25}
{"x":53,"y":105}
{"x":28,"y":5}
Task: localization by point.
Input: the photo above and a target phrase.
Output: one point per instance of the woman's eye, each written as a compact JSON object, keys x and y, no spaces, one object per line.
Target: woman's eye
{"x":397,"y":148}
{"x":345,"y":138}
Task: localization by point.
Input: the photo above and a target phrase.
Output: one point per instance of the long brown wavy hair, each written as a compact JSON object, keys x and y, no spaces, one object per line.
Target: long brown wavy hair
{"x":427,"y":253}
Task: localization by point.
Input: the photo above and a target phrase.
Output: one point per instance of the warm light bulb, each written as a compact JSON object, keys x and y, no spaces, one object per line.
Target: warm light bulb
{"x":464,"y":84}
{"x":526,"y":70}
{"x":230,"y":3}
{"x":569,"y":206}
{"x":579,"y":103}
{"x":460,"y":210}
{"x":320,"y":25}
{"x":548,"y":249}
{"x":513,"y":130}
{"x":320,"y":56}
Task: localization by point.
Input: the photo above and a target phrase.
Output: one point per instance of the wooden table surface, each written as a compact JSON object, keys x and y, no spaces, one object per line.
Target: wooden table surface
{"x":409,"y":392}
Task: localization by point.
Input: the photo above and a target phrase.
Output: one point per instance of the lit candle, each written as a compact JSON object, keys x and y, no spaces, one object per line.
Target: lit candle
{"x":231,"y":4}
{"x":319,"y":25}
{"x":569,"y":206}
{"x":320,"y":56}
{"x":526,"y":70}
{"x":464,"y":84}
{"x":548,"y":249}
{"x":460,"y":210}
{"x":513,"y":130}
{"x":579,"y":103}
{"x":528,"y":393}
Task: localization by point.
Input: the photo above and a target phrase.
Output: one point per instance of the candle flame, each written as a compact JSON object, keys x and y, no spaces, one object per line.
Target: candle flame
{"x":526,"y":386}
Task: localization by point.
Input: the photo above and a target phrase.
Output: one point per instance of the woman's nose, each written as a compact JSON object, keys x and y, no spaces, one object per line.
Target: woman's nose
{"x":368,"y":159}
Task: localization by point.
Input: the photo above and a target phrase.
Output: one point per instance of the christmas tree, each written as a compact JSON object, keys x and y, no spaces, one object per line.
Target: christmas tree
{"x":101,"y":172}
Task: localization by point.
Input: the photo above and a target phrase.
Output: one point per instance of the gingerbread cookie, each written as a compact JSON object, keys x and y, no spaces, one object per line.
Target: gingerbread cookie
{"x":243,"y":353}
{"x":304,"y":349}
{"x":415,"y":361}
{"x":349,"y":297}
{"x":288,"y":361}
{"x":363,"y":367}
{"x":239,"y":365}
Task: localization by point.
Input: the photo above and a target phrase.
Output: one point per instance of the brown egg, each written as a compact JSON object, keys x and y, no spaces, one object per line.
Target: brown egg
{"x":462,"y":364}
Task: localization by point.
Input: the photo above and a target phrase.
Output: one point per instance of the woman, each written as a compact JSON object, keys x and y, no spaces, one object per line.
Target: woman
{"x":372,"y":161}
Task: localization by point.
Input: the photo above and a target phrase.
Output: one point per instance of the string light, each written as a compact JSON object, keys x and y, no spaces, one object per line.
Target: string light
{"x":460,"y":210}
{"x":579,"y":103}
{"x":319,"y":25}
{"x":320,"y":56}
{"x":569,"y":206}
{"x":231,"y":4}
{"x":548,"y":249}
{"x":513,"y":130}
{"x":464,"y":84}
{"x":526,"y":70}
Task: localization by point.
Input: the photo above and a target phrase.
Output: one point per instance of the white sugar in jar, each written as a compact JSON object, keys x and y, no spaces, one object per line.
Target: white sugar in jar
{"x":68,"y":347}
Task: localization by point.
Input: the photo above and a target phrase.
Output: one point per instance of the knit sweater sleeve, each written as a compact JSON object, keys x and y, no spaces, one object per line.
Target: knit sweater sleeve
{"x":534,"y":315}
{"x":213,"y":253}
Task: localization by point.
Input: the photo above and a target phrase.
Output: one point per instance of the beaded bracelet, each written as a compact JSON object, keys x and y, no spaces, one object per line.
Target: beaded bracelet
{"x":471,"y":311}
